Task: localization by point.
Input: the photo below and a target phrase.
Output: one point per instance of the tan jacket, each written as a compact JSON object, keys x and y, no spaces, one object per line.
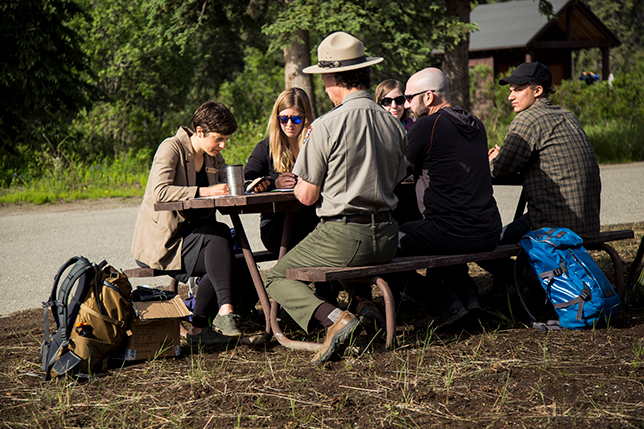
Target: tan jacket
{"x":172,"y":178}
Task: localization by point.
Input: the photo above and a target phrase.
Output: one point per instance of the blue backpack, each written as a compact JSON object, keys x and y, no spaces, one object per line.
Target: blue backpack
{"x":577,"y":288}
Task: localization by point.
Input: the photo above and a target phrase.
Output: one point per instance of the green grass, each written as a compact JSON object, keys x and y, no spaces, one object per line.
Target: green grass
{"x":123,"y":176}
{"x":616,"y":142}
{"x":126,"y":174}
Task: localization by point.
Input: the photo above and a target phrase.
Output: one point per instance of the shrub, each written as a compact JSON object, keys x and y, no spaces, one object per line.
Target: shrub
{"x":617,"y":141}
{"x":612,"y":114}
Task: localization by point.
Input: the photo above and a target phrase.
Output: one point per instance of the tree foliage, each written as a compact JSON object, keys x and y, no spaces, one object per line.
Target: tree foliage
{"x":153,"y":59}
{"x":404,"y":33}
{"x":43,"y":77}
{"x":88,"y":79}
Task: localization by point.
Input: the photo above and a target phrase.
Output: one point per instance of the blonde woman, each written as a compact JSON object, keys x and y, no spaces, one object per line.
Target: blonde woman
{"x":274,"y":158}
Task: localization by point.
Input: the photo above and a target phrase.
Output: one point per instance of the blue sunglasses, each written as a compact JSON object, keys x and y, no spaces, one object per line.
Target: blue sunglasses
{"x":295,"y":119}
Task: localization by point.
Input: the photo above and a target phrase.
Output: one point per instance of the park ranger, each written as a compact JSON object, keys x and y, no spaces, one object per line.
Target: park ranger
{"x":349,"y":163}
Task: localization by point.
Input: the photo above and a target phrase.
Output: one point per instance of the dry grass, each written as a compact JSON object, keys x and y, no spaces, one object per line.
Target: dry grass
{"x":494,"y":374}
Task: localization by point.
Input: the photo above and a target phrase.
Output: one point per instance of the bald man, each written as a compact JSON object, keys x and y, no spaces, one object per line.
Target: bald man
{"x":447,"y":156}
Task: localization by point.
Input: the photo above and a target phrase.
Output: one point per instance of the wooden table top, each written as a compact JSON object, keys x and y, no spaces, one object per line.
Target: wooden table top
{"x":248,"y":203}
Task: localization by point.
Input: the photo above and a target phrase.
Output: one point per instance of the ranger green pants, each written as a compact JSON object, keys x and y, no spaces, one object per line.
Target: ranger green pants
{"x":331,"y":244}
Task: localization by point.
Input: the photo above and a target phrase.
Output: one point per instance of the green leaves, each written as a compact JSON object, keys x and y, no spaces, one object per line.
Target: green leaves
{"x":404,"y":33}
{"x":42,"y":76}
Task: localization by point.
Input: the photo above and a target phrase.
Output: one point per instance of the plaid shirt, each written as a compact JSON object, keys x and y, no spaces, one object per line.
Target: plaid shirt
{"x":548,"y":147}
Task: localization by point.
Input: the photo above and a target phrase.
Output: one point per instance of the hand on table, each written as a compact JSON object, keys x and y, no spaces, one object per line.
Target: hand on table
{"x":261,"y":186}
{"x":286,"y":181}
{"x":493,"y":152}
{"x":214,"y":191}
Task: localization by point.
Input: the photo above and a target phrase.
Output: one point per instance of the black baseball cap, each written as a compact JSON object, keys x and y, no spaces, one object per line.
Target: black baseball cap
{"x":529,"y":72}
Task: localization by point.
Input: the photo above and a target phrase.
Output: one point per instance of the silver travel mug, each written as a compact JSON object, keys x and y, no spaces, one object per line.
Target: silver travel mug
{"x":235,"y":179}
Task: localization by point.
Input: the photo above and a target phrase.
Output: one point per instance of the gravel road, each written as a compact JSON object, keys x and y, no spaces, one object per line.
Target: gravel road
{"x":36,"y":240}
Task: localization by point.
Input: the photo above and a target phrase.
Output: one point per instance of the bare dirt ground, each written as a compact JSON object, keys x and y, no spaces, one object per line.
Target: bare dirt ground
{"x":494,"y":372}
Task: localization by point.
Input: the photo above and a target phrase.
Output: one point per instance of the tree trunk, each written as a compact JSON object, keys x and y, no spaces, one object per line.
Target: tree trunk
{"x":296,"y":57}
{"x":457,"y":56}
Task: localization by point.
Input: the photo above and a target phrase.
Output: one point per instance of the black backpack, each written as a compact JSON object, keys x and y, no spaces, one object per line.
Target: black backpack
{"x":90,"y":325}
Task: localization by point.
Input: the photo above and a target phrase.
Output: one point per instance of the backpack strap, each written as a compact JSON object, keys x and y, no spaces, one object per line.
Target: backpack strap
{"x":550,"y":325}
{"x":550,"y":275}
{"x":58,"y":303}
{"x":540,"y":234}
{"x":431,"y":140}
{"x":103,"y":317}
{"x":520,"y":268}
{"x":54,"y":289}
{"x":80,"y":268}
{"x":584,"y":296}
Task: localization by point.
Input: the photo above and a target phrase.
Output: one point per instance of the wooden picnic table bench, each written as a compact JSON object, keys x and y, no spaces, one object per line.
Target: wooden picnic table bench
{"x":372,"y":273}
{"x":261,"y":256}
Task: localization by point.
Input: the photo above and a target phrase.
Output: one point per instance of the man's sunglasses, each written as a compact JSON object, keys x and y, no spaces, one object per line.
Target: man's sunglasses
{"x":295,"y":119}
{"x":411,"y":96}
{"x":387,"y":101}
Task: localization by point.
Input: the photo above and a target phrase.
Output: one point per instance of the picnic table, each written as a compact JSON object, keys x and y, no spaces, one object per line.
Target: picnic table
{"x":373,"y":273}
{"x":274,"y":202}
{"x":263,"y":202}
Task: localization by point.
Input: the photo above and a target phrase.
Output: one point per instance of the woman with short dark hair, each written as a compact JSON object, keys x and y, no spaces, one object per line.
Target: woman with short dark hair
{"x":186,"y":244}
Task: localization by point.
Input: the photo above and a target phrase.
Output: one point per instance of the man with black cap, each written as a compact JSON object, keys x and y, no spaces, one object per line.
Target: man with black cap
{"x":548,"y":147}
{"x":349,"y":163}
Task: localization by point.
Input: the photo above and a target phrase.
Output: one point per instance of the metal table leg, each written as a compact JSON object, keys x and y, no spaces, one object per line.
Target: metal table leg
{"x":390,"y":310}
{"x":275,"y":307}
{"x":390,"y":317}
{"x":617,"y":266}
{"x":281,"y":338}
{"x":286,"y":234}
{"x":257,"y":279}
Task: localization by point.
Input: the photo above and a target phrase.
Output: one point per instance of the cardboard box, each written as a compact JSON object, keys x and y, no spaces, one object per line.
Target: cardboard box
{"x":155,"y":332}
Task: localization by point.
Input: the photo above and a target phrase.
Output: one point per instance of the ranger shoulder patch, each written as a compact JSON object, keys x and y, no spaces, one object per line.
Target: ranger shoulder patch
{"x":308,"y":133}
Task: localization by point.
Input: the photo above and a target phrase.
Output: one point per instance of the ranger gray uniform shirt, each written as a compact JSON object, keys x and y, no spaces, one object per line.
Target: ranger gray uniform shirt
{"x":354,"y":153}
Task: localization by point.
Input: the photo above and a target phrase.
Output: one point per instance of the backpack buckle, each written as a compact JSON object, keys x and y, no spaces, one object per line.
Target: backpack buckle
{"x":585,"y":294}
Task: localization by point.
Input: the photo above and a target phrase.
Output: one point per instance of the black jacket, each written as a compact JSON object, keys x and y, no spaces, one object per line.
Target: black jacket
{"x":447,"y":155}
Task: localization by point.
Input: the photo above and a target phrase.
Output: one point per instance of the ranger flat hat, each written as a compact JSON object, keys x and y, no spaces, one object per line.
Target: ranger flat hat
{"x":529,"y":72}
{"x":341,"y":52}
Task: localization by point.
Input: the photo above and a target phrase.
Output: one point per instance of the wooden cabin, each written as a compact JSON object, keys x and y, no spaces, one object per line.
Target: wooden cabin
{"x":515,"y":32}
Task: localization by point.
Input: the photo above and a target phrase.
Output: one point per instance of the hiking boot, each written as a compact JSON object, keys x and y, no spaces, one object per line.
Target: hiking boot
{"x":471,"y":301}
{"x":207,"y":337}
{"x":336,"y":338}
{"x":453,"y":314}
{"x":368,"y":314}
{"x":226,"y":324}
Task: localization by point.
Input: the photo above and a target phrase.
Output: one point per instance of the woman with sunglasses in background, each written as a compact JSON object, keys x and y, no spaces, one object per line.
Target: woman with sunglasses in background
{"x":389,"y":94}
{"x":274,"y":158}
